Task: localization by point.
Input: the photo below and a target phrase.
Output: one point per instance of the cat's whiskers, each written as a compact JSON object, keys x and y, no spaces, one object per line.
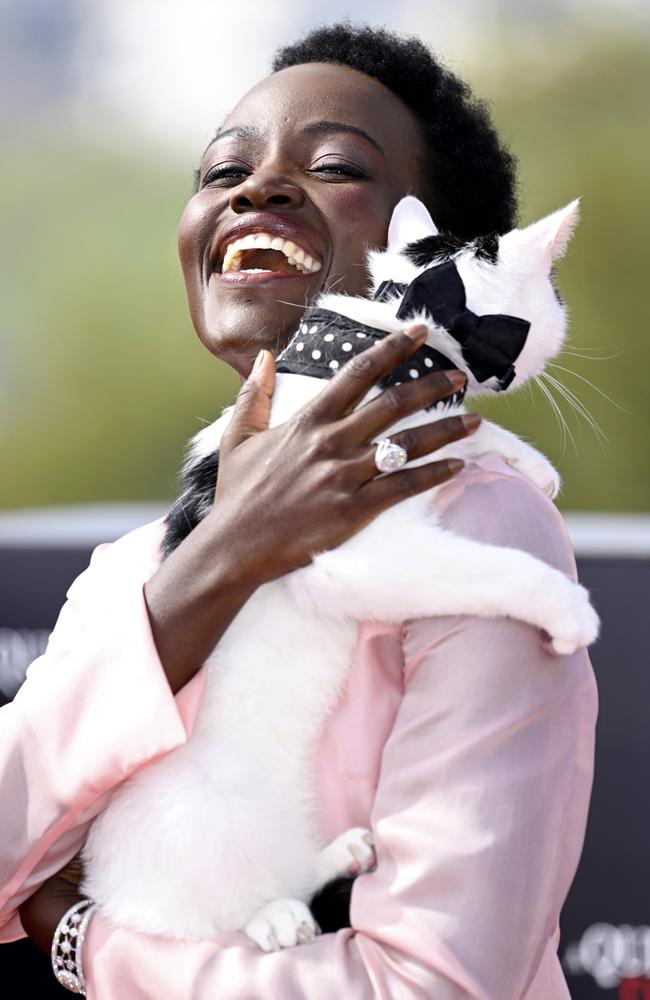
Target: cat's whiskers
{"x":296,"y":305}
{"x":330,"y":286}
{"x":592,"y":357}
{"x":578,"y":406}
{"x":557,"y":413}
{"x":591,"y":384}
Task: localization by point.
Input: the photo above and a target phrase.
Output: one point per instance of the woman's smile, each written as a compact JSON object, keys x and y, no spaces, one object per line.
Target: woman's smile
{"x":299,"y":181}
{"x":262,"y":243}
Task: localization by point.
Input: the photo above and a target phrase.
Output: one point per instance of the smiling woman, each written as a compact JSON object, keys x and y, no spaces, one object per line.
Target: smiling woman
{"x":326,"y":185}
{"x":459,"y":743}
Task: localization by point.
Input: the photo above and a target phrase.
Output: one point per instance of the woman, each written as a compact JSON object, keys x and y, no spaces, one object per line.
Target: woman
{"x":461,"y":742}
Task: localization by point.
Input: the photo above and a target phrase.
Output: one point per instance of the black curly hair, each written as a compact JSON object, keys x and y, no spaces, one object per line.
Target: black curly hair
{"x":471,"y":175}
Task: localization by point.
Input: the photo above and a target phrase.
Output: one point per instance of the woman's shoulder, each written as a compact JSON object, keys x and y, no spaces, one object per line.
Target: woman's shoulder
{"x":134,"y":555}
{"x":493,"y":503}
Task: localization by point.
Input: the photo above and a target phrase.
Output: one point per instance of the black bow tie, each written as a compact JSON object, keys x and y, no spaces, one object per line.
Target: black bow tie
{"x":490,"y":344}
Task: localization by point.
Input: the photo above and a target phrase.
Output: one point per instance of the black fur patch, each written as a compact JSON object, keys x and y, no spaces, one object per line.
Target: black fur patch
{"x":199,"y":482}
{"x":331,"y":905}
{"x":445,"y":245}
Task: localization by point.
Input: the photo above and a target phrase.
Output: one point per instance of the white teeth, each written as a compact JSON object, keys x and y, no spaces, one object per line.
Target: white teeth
{"x":230,"y":259}
{"x":296,"y":256}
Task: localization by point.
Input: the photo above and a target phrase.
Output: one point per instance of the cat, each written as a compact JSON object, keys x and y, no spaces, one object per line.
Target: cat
{"x":221,"y":833}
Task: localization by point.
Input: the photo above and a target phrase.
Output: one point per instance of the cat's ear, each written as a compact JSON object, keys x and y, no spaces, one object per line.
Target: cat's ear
{"x":409,"y":222}
{"x":550,"y":236}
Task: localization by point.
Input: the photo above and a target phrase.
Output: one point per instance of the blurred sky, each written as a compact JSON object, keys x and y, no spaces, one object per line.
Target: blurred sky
{"x":174,"y":68}
{"x":105,"y":108}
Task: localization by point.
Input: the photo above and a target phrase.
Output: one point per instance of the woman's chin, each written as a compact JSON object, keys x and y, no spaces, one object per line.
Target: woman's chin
{"x":244,"y":313}
{"x":235,"y":331}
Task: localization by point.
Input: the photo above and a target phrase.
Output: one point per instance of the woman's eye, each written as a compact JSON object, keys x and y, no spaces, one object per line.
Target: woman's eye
{"x":225,"y":171}
{"x":342,"y":169}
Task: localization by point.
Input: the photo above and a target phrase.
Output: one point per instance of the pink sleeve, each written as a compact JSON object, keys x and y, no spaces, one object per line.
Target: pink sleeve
{"x":479,"y":820}
{"x":94,"y":708}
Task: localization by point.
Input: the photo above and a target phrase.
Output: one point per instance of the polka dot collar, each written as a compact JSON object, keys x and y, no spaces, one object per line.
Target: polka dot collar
{"x":326,"y":340}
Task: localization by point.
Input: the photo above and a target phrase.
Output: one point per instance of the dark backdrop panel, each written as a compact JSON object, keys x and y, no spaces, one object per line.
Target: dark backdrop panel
{"x":605,"y":944}
{"x":605,"y":938}
{"x":33,"y":583}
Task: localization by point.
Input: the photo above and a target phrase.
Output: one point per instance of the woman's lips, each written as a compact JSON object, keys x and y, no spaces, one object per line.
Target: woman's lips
{"x":265,"y":224}
{"x":257,"y":277}
{"x":267,"y":253}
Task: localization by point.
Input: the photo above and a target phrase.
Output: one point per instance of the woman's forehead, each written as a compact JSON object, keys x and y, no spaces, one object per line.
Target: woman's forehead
{"x":313,"y":92}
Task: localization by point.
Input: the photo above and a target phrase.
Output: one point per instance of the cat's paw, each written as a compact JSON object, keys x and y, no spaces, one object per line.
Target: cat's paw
{"x":577,"y":626}
{"x":351,"y":853}
{"x":536,"y":467}
{"x":282,"y":923}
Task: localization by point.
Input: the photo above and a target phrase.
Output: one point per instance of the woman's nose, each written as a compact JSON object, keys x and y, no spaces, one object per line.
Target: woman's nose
{"x":265,"y":190}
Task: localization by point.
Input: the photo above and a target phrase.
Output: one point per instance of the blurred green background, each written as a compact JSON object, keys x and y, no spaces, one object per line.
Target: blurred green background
{"x":102,"y":379}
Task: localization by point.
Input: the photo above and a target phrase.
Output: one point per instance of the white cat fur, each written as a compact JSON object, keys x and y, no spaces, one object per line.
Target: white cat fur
{"x":222,"y":833}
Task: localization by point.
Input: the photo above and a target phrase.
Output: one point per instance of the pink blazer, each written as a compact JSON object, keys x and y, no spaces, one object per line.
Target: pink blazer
{"x":464,"y":746}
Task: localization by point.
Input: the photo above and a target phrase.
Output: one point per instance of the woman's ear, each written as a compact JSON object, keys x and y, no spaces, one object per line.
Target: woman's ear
{"x":409,"y":222}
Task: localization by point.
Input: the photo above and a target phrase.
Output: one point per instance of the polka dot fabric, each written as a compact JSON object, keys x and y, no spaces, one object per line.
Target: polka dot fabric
{"x":326,"y":340}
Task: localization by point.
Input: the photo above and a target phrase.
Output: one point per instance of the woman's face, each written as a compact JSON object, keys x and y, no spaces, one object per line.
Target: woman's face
{"x":315,"y":156}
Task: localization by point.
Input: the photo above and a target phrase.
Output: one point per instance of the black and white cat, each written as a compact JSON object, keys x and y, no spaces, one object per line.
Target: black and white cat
{"x":221,"y":834}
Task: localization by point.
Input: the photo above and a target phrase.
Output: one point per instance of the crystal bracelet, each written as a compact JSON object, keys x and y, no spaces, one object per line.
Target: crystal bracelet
{"x":67,"y":945}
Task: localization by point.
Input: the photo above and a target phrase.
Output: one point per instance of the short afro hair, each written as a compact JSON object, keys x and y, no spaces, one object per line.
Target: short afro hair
{"x":471,"y":175}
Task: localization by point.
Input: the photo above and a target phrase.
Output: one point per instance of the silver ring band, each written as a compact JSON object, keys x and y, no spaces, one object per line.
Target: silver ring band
{"x":389,"y":457}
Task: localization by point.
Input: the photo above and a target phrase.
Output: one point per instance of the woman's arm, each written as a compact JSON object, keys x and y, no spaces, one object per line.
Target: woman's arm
{"x":94,"y":708}
{"x":478,"y":820}
{"x":316,"y":469}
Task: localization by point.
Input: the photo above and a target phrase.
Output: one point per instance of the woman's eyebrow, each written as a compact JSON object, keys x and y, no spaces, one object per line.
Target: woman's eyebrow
{"x":239,"y":131}
{"x":317,"y":128}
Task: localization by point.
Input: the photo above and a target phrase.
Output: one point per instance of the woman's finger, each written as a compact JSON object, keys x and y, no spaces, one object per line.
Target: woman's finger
{"x":422,"y":440}
{"x":253,"y":404}
{"x":350,"y":385}
{"x":398,"y":401}
{"x":386,"y":491}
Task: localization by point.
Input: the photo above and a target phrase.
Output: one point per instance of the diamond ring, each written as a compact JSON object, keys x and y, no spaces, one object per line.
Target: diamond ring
{"x":389,"y":457}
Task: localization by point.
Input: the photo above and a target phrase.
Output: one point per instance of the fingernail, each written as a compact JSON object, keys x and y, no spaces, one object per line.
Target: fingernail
{"x":416,"y":333}
{"x":258,"y":360}
{"x":455,"y":465}
{"x":470,"y":421}
{"x":456,"y":378}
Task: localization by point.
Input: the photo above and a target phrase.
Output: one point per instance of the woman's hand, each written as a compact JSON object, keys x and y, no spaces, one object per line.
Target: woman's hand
{"x":289,"y":491}
{"x":41,"y":913}
{"x":310,"y":483}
